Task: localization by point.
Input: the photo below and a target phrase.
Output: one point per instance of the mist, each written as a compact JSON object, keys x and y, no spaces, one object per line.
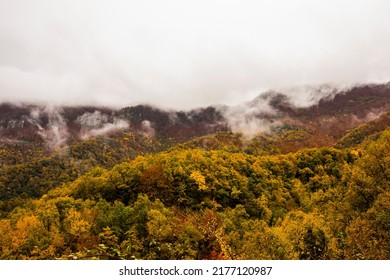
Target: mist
{"x":56,"y":134}
{"x":147,"y":129}
{"x":96,"y":123}
{"x":187,"y":54}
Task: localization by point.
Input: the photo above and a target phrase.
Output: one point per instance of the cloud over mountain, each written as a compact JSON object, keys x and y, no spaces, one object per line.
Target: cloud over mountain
{"x":184,"y":55}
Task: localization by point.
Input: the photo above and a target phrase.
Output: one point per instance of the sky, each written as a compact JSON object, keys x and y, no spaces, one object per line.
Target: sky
{"x":186,"y":54}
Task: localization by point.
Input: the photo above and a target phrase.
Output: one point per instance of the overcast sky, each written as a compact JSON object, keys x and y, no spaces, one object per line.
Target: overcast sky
{"x":186,"y":54}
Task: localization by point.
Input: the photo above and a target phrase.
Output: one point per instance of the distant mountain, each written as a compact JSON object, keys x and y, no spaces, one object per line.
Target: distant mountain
{"x":66,"y":125}
{"x":328,"y":120}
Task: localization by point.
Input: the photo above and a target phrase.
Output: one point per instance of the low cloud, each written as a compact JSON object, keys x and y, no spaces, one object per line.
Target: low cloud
{"x":250,"y":118}
{"x":96,"y":123}
{"x":309,"y":95}
{"x":147,"y":128}
{"x":92,"y":120}
{"x":260,"y":114}
{"x":56,"y":133}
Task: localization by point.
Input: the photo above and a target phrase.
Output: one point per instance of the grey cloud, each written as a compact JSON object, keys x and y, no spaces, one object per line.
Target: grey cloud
{"x":56,"y":134}
{"x":96,"y":123}
{"x":147,"y":128}
{"x":186,"y":54}
{"x":258,"y":115}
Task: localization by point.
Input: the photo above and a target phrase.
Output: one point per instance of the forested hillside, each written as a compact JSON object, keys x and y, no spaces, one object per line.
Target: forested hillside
{"x":185,"y":185}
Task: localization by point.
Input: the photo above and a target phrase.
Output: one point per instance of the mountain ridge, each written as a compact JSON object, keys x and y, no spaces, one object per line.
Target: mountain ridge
{"x":334,"y":113}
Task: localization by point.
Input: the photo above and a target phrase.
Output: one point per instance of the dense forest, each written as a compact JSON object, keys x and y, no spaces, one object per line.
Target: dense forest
{"x":214,"y":196}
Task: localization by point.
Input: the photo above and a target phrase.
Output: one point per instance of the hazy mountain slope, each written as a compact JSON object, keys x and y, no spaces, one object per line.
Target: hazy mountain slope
{"x":327,"y":120}
{"x":364,"y":131}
